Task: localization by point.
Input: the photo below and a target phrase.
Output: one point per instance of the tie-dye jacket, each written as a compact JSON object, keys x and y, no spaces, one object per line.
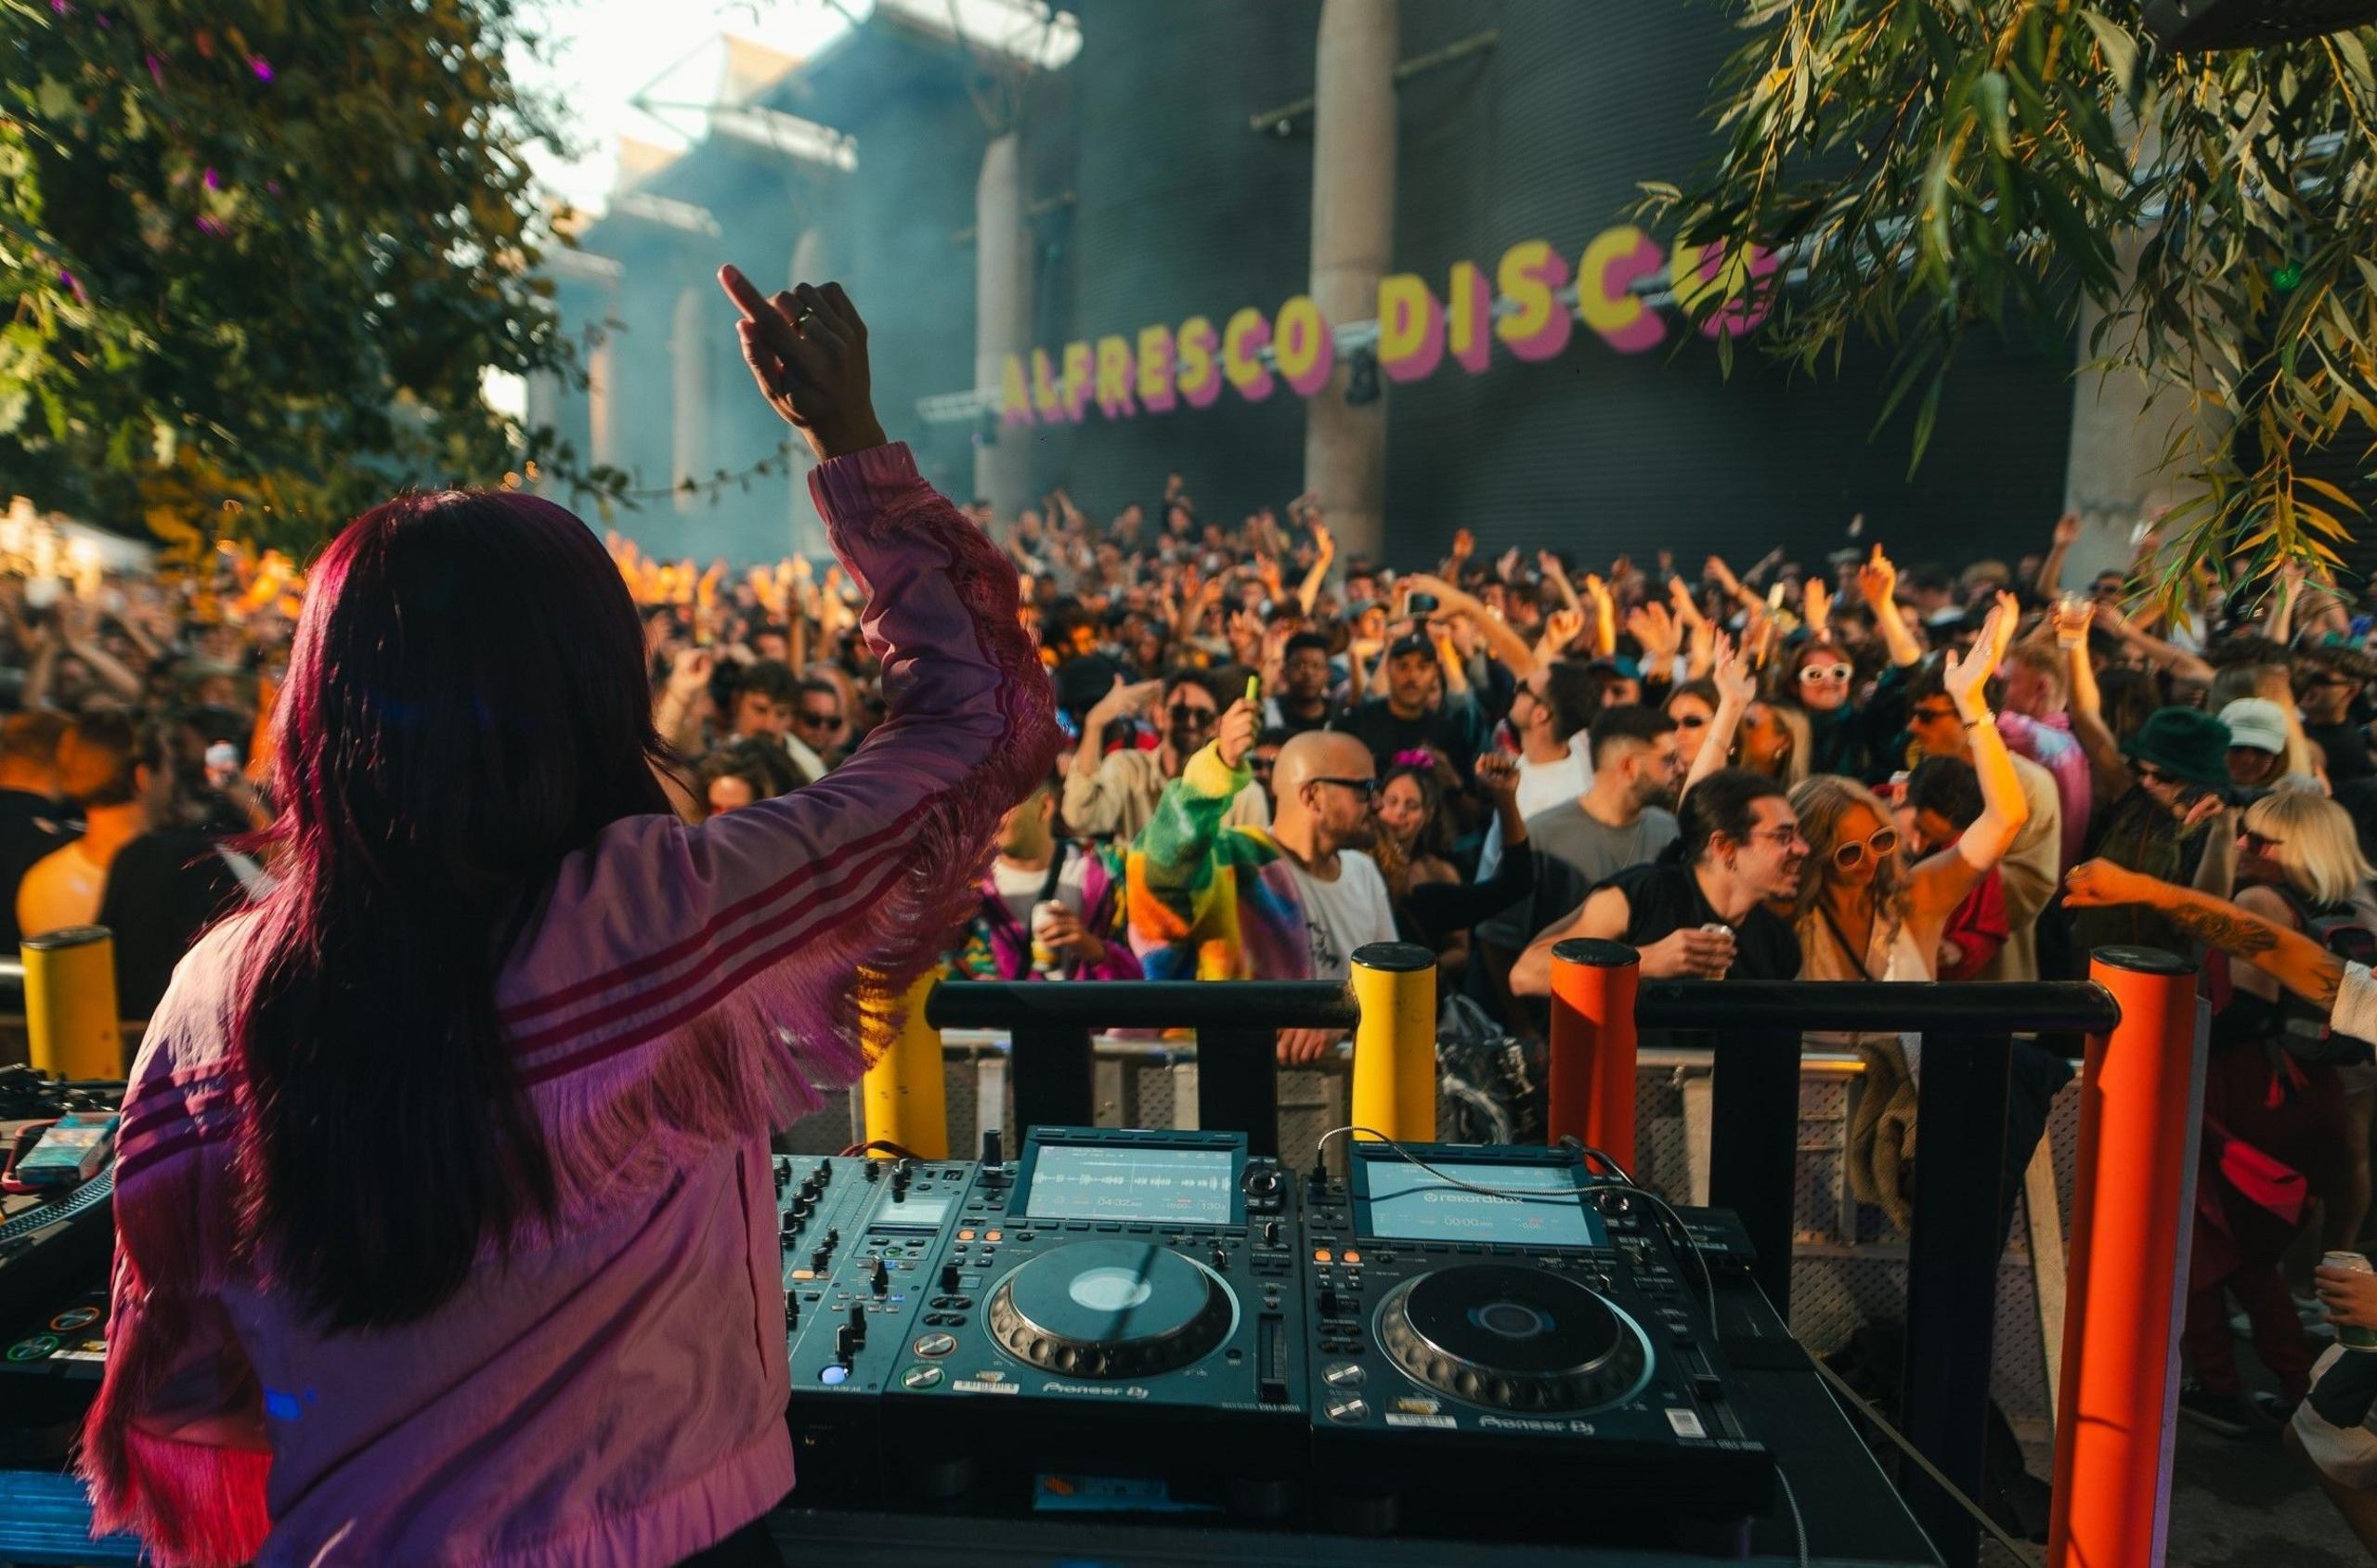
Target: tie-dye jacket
{"x":1210,"y":902}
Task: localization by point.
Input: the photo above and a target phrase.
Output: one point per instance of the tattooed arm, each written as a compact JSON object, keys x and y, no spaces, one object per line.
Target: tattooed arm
{"x":2297,"y":963}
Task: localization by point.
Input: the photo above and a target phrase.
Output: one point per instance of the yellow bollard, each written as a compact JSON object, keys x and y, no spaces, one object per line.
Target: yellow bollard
{"x":69,"y":1003}
{"x":1395,"y":1044}
{"x":904,"y":1096}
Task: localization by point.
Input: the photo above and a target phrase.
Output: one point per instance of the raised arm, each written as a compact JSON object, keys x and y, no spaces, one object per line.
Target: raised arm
{"x":2067,"y":534}
{"x":2178,"y":661}
{"x":1324,"y":546}
{"x":2301,"y":965}
{"x":1179,"y":897}
{"x":1941,"y":881}
{"x":2105,"y":760}
{"x":1505,"y":645}
{"x":1736,"y":689}
{"x":1877,"y":585}
{"x":796,"y":906}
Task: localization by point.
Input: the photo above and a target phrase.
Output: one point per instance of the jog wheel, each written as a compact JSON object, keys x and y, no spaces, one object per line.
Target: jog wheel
{"x":1513,"y":1338}
{"x":1111,"y":1309}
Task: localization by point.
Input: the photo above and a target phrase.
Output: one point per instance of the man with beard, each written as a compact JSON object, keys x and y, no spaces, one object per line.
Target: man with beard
{"x":1304,"y":671}
{"x":1699,"y":911}
{"x":1213,"y":901}
{"x":1621,"y":821}
{"x":1113,"y":795}
{"x":1414,"y":714}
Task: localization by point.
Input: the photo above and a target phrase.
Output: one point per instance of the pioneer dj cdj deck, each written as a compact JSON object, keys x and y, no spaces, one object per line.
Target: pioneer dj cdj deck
{"x":1131,"y":1308}
{"x":1498,"y":1332}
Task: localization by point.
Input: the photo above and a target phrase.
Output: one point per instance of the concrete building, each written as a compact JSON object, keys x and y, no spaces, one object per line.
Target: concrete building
{"x":1025,"y":187}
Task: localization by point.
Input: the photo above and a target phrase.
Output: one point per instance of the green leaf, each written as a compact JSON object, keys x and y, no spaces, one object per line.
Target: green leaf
{"x":2120,"y":50}
{"x":1990,"y":96}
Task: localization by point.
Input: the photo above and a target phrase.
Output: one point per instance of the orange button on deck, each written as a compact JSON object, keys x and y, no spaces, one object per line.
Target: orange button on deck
{"x":992,"y":1234}
{"x":965,"y":1236}
{"x":1353,"y":1257}
{"x":1322,"y":1255}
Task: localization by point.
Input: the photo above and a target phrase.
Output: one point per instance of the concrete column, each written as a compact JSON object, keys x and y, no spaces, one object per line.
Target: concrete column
{"x":689,"y":350}
{"x":2121,"y":425}
{"x":1002,"y":294}
{"x":1352,"y":238}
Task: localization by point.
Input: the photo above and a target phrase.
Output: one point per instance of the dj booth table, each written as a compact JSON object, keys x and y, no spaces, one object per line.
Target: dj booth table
{"x":1854,"y":1520}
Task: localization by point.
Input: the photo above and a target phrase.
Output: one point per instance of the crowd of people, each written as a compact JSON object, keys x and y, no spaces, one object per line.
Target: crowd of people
{"x":1275,"y":754}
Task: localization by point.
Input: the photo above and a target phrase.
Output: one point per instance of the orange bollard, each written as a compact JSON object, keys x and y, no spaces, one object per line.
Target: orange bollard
{"x":1592,"y":1091}
{"x":2142,"y":1096}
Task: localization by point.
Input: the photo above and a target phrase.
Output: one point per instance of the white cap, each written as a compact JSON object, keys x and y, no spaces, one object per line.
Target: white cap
{"x":2255,"y":722}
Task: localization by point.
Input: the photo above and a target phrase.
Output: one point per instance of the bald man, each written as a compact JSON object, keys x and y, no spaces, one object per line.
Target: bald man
{"x":1210,"y":900}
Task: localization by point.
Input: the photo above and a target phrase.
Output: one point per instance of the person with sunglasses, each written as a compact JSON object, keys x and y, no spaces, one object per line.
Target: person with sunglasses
{"x":2028,"y":866}
{"x":1112,"y":795}
{"x":1209,"y":900}
{"x":2329,"y":683}
{"x":1701,"y":909}
{"x":820,"y":723}
{"x":1864,"y":912}
{"x":1555,"y":703}
{"x":1850,"y":737}
{"x":2162,"y":787}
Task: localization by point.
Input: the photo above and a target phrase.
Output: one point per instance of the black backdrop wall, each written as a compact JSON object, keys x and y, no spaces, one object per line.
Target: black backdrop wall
{"x":1180,"y":208}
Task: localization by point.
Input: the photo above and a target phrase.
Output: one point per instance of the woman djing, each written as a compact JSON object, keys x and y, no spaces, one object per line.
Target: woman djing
{"x":446,"y":1227}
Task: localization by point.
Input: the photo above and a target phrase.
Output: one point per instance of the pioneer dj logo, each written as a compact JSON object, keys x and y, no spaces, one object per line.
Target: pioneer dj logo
{"x":1504,"y":1423}
{"x":1102,"y":1391}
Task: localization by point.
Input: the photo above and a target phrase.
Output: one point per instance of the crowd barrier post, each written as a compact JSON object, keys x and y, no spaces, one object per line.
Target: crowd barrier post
{"x":1590,"y":1092}
{"x":2141,"y":1098}
{"x":1395,"y":1040}
{"x":904,"y":1098}
{"x":71,"y":1019}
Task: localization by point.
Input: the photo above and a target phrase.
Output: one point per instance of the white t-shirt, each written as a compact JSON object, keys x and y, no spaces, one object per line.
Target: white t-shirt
{"x":1020,"y":886}
{"x":1545,"y":785}
{"x":1341,"y":916}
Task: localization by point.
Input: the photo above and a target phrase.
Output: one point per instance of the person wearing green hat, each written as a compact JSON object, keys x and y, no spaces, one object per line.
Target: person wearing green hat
{"x":2167,"y":783}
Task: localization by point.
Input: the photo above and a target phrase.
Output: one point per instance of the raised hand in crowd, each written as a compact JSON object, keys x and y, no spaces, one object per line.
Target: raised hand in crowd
{"x":806,"y":348}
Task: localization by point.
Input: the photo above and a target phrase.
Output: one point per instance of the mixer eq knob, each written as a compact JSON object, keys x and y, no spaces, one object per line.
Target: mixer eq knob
{"x":949,"y":1281}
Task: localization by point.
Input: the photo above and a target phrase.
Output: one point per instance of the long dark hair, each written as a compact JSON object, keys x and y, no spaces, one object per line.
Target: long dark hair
{"x":465,"y":704}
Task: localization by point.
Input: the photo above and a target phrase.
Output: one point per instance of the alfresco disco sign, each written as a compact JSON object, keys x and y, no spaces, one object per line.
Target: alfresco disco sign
{"x":1162,"y":368}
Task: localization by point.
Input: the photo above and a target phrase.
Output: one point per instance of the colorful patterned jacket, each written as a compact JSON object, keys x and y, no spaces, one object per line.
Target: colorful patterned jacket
{"x":997,"y":949}
{"x":1207,"y":900}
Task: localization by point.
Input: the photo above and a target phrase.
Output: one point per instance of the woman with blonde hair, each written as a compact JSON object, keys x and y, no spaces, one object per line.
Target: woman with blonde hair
{"x":1864,"y":913}
{"x":2275,"y":1093}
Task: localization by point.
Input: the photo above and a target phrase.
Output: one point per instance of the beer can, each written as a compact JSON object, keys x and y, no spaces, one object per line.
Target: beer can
{"x":2355,"y":1263}
{"x":1043,"y":957}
